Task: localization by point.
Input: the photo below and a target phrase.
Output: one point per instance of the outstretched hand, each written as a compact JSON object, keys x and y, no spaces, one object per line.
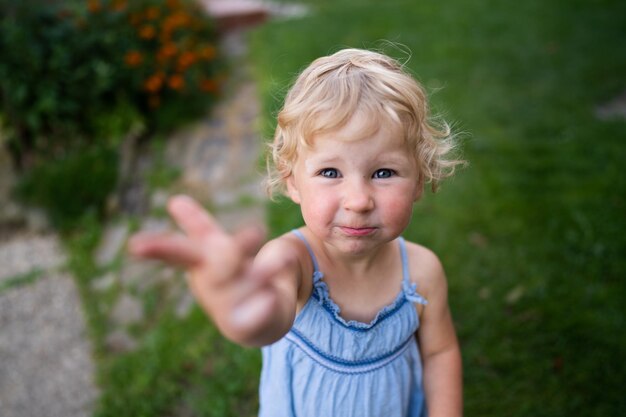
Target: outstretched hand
{"x":220,"y":267}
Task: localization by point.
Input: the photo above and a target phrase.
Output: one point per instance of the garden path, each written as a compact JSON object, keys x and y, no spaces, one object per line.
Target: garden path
{"x":45,"y":355}
{"x":46,"y":364}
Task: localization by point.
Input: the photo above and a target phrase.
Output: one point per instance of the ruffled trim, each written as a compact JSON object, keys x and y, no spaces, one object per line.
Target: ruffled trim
{"x":320,"y":288}
{"x":347,"y":366}
{"x":317,"y":277}
{"x":322,"y":295}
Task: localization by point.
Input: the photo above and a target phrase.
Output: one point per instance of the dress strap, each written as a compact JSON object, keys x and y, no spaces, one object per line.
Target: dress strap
{"x":406,"y":279}
{"x":409,"y":288}
{"x":308,"y":247}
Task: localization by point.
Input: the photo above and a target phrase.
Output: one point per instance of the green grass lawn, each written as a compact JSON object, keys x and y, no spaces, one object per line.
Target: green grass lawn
{"x":532,"y":232}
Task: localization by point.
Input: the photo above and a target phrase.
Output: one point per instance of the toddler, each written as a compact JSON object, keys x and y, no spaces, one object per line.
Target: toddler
{"x":352,"y":319}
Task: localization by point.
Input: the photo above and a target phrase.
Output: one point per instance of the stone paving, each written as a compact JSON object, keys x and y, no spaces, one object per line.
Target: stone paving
{"x":27,"y":252}
{"x":46,"y":367}
{"x":224,"y":171}
{"x":45,"y":353}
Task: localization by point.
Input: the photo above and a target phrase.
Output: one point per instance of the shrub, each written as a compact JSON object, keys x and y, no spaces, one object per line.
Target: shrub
{"x":71,"y":186}
{"x":169,"y":56}
{"x":64,"y":67}
{"x":77,"y":76}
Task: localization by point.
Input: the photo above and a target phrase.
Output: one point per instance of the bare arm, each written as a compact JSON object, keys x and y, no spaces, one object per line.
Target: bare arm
{"x":441,"y":354}
{"x":250,"y":296}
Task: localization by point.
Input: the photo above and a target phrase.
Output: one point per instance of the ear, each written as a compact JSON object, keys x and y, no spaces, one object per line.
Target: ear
{"x":292,"y":189}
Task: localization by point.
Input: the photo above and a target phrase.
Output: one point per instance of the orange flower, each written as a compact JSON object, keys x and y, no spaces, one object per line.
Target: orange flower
{"x":154,"y":83}
{"x":209,"y":86}
{"x":167,"y":51}
{"x":172,"y":4}
{"x":185,"y":19}
{"x":119,"y":5}
{"x":208,"y":52}
{"x":94,"y":6}
{"x":153,"y":13}
{"x":185,"y":60}
{"x":133,"y":58}
{"x":176,"y":20}
{"x":176,"y":82}
{"x":147,"y":32}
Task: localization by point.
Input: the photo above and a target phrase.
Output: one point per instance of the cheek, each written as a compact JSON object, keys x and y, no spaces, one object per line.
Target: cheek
{"x":399,"y":210}
{"x":316,"y":209}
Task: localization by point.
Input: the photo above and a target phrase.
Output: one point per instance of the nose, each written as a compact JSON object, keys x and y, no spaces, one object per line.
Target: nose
{"x":358,"y":196}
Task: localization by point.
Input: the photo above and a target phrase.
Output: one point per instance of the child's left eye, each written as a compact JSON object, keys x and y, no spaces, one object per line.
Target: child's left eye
{"x":384,"y":173}
{"x":329,"y":173}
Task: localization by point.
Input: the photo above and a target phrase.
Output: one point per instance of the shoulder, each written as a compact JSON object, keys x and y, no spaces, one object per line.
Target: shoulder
{"x":425,"y":270}
{"x":291,"y":250}
{"x":291,"y":243}
{"x":422,"y":260}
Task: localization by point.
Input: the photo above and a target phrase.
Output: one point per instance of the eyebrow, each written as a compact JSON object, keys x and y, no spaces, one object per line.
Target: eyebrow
{"x":392,"y":158}
{"x":382,"y":160}
{"x":325,"y":160}
{"x":312,"y":164}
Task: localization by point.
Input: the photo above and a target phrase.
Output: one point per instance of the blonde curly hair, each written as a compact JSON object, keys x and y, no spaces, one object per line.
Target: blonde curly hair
{"x":333,"y":88}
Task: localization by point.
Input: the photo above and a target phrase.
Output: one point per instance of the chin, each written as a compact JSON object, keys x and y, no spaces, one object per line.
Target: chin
{"x":358,"y":245}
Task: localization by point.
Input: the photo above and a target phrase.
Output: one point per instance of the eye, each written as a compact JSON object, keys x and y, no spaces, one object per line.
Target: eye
{"x":329,"y":173}
{"x":384,"y":173}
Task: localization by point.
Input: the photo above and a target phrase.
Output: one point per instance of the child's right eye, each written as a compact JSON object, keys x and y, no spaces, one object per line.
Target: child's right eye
{"x":329,"y":173}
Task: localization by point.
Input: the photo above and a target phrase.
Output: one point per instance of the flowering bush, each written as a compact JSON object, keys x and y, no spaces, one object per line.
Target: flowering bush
{"x":78,"y":72}
{"x":169,"y":54}
{"x":77,"y":76}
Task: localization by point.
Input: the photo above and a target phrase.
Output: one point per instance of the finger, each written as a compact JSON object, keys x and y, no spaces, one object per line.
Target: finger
{"x":250,"y":239}
{"x":172,"y":249}
{"x":191,"y":217}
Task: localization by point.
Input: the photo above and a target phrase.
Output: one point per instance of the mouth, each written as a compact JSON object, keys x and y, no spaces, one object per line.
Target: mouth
{"x":357,"y":231}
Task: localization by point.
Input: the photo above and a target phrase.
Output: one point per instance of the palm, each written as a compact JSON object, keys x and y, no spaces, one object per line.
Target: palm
{"x":218,"y":265}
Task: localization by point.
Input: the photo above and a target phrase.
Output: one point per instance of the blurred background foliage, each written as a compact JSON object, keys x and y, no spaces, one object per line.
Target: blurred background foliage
{"x":78,"y":76}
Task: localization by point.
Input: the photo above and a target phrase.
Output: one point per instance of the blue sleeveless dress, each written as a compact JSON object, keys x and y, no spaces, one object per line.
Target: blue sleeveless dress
{"x":326,"y":366}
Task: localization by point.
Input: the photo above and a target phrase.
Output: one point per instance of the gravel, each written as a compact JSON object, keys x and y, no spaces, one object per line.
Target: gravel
{"x":46,"y":367}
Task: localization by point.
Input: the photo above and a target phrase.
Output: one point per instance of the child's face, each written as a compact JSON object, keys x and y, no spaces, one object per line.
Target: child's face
{"x":356,"y":194}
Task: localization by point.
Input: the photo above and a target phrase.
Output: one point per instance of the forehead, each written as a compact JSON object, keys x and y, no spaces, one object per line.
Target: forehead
{"x":361,"y":125}
{"x":358,"y":140}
